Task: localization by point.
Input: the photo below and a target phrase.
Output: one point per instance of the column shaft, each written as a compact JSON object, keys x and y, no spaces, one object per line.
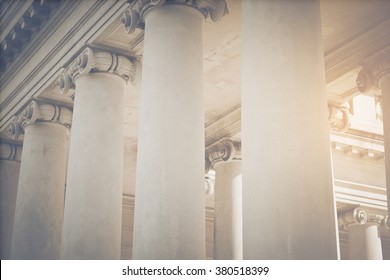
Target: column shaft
{"x":40,"y":199}
{"x":288,"y":203}
{"x":93,"y":206}
{"x":228,"y":211}
{"x":385,"y":88}
{"x":364,"y":242}
{"x":9,"y":177}
{"x":170,"y":207}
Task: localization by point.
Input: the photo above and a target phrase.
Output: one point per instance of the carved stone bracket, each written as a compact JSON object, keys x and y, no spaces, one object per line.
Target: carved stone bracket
{"x":10,"y":151}
{"x":93,"y":60}
{"x":358,"y":216}
{"x":223,"y":151}
{"x":134,"y":16}
{"x":38,"y":111}
{"x":339,"y":117}
{"x":373,"y":75}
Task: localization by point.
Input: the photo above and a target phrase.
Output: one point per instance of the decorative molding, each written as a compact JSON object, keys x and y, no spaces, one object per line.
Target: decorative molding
{"x":134,"y":16}
{"x":223,"y":151}
{"x":373,"y":74}
{"x":93,"y":60}
{"x":358,"y":216}
{"x":28,"y":25}
{"x":10,"y":151}
{"x":38,"y":111}
{"x":339,"y":117}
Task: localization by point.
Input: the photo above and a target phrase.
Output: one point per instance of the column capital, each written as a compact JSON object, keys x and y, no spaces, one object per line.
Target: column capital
{"x":39,"y":111}
{"x":10,"y":150}
{"x":93,"y":60}
{"x":338,"y":116}
{"x":372,"y":75}
{"x":134,"y":16}
{"x":359,"y":216}
{"x":225,"y":150}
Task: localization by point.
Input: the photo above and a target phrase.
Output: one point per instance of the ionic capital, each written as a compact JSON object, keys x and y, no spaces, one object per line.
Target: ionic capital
{"x":358,"y":216}
{"x":38,"y":111}
{"x":10,"y":151}
{"x":93,"y":60}
{"x":339,"y":117}
{"x":134,"y":16}
{"x":373,"y":75}
{"x":224,"y":151}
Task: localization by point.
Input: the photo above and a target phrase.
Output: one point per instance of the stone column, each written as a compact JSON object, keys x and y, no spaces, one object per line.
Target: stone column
{"x":10,"y":155}
{"x":225,"y":157}
{"x":377,"y":74}
{"x":364,"y":242}
{"x":40,"y":199}
{"x":286,"y":168}
{"x":93,"y":205}
{"x":169,"y":208}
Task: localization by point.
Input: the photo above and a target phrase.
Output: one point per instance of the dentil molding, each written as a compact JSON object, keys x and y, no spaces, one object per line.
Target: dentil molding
{"x":134,"y":16}
{"x":93,"y":60}
{"x":38,"y":111}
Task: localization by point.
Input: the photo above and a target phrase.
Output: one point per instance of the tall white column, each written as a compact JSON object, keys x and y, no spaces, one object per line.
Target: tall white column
{"x":40,"y":199}
{"x":10,"y":156}
{"x":286,"y":167}
{"x":169,"y":201}
{"x":364,"y":242}
{"x":377,"y":74}
{"x":225,"y":157}
{"x":93,"y":205}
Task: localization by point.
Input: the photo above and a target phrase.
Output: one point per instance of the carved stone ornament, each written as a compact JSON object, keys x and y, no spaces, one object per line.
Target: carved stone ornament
{"x":93,"y":60}
{"x":360,"y":217}
{"x":38,"y":111}
{"x":10,"y":151}
{"x":224,"y":151}
{"x":339,"y":117}
{"x":134,"y":16}
{"x":372,"y":76}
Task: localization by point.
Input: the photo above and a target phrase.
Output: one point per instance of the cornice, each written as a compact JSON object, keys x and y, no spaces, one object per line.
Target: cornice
{"x":39,"y":65}
{"x":93,"y":60}
{"x":134,"y":16}
{"x":38,"y":111}
{"x":10,"y":150}
{"x":25,"y":29}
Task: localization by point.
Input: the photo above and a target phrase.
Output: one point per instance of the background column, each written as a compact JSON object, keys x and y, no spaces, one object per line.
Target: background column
{"x":93,"y":205}
{"x":286,"y":167}
{"x":225,"y":157}
{"x":169,"y":219}
{"x":378,"y":74}
{"x":364,"y":242}
{"x":10,"y":155}
{"x":40,"y":199}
